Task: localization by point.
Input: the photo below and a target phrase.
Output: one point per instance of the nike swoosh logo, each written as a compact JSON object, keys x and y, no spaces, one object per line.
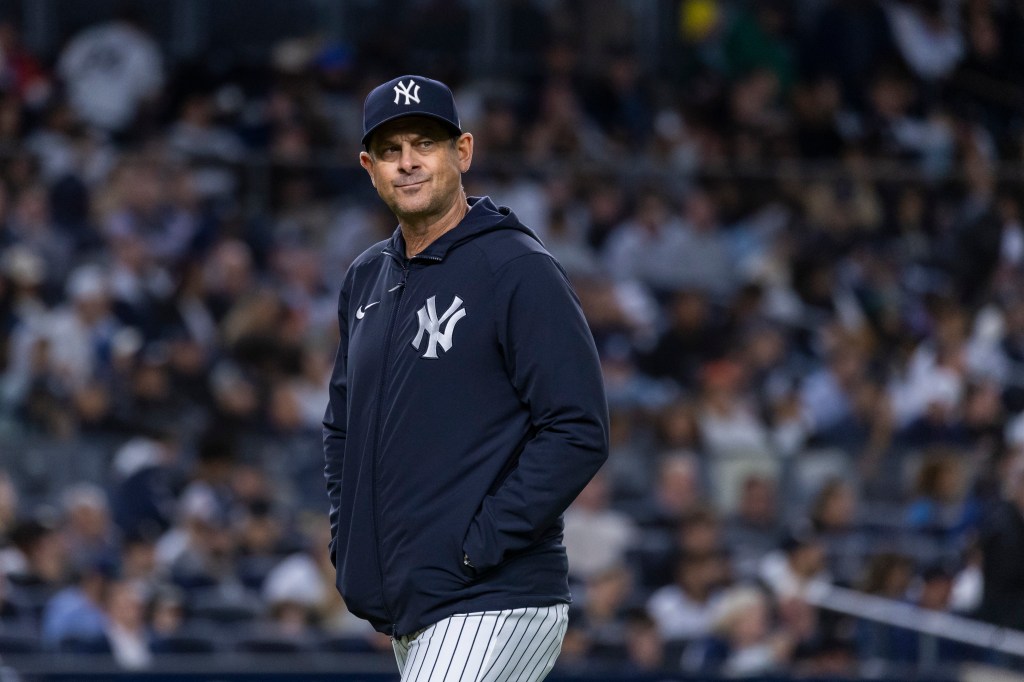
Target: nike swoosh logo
{"x":363,"y":308}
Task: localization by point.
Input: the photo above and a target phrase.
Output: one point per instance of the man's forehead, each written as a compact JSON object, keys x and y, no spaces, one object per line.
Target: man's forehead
{"x":410,"y":125}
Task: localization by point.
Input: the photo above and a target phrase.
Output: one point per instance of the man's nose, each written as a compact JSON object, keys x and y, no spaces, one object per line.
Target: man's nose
{"x":408,"y":161}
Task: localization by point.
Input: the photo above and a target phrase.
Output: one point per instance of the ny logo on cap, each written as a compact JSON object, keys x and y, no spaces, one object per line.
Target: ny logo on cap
{"x":410,"y":90}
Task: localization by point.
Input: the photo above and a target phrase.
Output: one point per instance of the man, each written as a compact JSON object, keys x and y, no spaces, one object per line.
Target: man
{"x":466,"y":412}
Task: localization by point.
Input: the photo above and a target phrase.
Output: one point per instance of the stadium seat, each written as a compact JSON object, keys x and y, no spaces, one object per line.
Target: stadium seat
{"x":213,"y":606}
{"x":18,"y":643}
{"x":191,"y":640}
{"x":269,"y":643}
{"x":345,"y":644}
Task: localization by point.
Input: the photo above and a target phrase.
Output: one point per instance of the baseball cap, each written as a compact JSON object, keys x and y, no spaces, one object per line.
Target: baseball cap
{"x":409,"y":96}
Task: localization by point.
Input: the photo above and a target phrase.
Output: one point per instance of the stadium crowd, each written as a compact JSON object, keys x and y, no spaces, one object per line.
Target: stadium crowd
{"x":796,"y":234}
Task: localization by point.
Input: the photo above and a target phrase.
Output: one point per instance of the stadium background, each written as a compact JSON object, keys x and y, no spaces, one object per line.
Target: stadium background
{"x":795,"y":228}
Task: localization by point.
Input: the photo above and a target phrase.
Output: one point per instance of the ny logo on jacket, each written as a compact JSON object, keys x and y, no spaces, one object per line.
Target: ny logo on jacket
{"x":438,"y":330}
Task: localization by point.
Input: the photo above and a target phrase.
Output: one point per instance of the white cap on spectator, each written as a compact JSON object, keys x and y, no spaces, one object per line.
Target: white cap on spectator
{"x":84,"y":495}
{"x":941,"y":387}
{"x":295,"y":580}
{"x":735,"y":603}
{"x":135,"y":455}
{"x":198,"y":502}
{"x":126,"y":342}
{"x":23,"y":265}
{"x":87,"y":282}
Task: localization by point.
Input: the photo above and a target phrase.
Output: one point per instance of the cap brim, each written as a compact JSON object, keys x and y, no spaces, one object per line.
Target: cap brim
{"x":406,"y":114}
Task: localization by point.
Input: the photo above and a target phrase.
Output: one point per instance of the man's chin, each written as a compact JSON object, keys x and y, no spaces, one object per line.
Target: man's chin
{"x":411,"y":209}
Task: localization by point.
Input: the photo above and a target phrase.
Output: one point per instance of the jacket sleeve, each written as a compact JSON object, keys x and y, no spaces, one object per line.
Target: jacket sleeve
{"x":335,"y":423}
{"x":552,"y":362}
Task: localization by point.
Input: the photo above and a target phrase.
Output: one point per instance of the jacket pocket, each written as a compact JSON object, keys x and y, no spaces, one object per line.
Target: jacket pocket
{"x":483,"y":555}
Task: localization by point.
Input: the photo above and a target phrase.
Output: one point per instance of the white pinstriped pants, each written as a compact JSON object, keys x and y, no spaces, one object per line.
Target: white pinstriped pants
{"x":515,"y":645}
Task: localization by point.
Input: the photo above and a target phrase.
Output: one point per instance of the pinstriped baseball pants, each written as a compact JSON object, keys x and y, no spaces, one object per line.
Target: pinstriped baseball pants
{"x":515,"y":645}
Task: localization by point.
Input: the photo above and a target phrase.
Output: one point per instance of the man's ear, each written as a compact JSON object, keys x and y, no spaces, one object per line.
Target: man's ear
{"x":366,"y":161}
{"x":464,"y":149}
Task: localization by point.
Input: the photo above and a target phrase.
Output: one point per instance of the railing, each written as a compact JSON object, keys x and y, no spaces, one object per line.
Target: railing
{"x":928,"y":623}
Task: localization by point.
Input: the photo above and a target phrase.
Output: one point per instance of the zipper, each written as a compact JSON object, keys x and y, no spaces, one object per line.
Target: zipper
{"x":384,"y":375}
{"x":379,"y":417}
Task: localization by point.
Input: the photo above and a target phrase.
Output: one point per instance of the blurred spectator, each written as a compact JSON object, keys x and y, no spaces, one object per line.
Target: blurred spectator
{"x":561,"y":129}
{"x":75,"y":618}
{"x":89,"y":534}
{"x":294,"y":592}
{"x":111,"y":71}
{"x":597,"y":627}
{"x":166,"y":616}
{"x":619,"y":101}
{"x":596,"y":536}
{"x":684,"y":609}
{"x":754,"y":528}
{"x":835,"y":518}
{"x":260,"y":541}
{"x":930,"y":589}
{"x":926,"y":36}
{"x":691,"y":337}
{"x":983,"y":81}
{"x":645,"y":648}
{"x":744,"y":642}
{"x":197,"y":551}
{"x":38,"y":563}
{"x":126,"y":631}
{"x":31,"y":226}
{"x":941,"y":505}
{"x":145,"y":486}
{"x":649,"y":247}
{"x":207,"y":146}
{"x":705,"y":262}
{"x":148,"y":204}
{"x":21,"y":72}
{"x":9,"y":503}
{"x":850,"y":39}
{"x":730,"y":424}
{"x":798,"y":564}
{"x":677,"y":485}
{"x":757,"y":40}
{"x":828,"y":395}
{"x":698,"y":532}
{"x":70,"y":347}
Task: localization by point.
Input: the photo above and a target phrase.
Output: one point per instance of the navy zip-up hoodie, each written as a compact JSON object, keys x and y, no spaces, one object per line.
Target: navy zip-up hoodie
{"x":466,"y":412}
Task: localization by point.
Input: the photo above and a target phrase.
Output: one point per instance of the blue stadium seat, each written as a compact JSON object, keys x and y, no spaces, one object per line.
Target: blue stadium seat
{"x":272,"y":643}
{"x":12,"y":643}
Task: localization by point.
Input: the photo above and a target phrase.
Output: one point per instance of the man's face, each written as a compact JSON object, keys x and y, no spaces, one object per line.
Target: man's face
{"x":416,"y":167}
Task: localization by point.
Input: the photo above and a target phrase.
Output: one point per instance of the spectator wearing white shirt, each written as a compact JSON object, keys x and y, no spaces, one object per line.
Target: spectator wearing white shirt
{"x":684,"y":610}
{"x":126,"y":626}
{"x":596,"y":536}
{"x":796,"y":566}
{"x":929,"y":41}
{"x":110,"y":71}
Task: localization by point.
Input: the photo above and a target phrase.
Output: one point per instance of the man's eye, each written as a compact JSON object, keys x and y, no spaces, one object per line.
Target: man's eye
{"x":426,"y":144}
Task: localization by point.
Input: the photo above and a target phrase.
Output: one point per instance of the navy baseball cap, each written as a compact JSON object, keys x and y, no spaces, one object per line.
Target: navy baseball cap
{"x":409,"y":96}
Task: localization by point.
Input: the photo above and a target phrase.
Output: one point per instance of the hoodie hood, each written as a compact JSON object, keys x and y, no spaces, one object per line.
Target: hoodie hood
{"x":483,"y":216}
